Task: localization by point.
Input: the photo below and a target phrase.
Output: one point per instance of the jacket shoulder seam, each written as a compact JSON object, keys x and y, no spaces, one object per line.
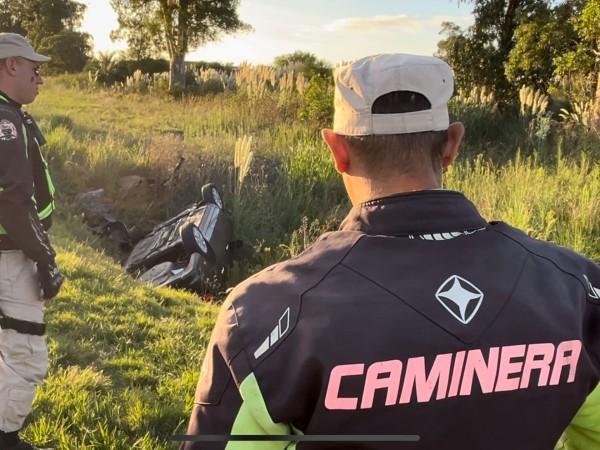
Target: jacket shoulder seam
{"x":547,"y":258}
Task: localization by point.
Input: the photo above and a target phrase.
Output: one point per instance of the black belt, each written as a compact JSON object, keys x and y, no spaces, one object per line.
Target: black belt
{"x":23,"y":326}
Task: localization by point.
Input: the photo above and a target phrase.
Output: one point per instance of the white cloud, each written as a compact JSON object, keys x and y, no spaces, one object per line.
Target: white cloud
{"x":401,"y":22}
{"x":364,"y":23}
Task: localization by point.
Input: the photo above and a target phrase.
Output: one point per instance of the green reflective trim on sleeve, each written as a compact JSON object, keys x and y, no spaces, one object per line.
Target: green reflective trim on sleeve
{"x":49,"y":209}
{"x":26,"y":141}
{"x":48,"y":178}
{"x":583,"y":433}
{"x":253,"y":418}
{"x":51,"y":187}
{"x":46,"y":212}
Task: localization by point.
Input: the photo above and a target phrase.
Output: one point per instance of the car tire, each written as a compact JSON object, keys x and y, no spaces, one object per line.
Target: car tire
{"x":211,"y":195}
{"x":195,"y":242}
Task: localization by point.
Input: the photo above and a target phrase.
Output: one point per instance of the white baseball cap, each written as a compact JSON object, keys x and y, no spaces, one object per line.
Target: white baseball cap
{"x":359,"y":84}
{"x":12,"y":44}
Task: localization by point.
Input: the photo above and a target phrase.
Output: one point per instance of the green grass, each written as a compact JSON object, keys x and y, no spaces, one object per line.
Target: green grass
{"x":125,"y":356}
{"x":558,"y":202}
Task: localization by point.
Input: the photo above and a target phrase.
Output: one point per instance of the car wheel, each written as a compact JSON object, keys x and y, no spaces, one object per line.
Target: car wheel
{"x":195,"y":242}
{"x":211,"y":195}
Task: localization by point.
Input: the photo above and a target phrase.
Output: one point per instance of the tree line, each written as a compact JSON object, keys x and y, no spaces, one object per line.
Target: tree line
{"x":536,"y":43}
{"x":52,"y":28}
{"x":510,"y":44}
{"x":150,"y":27}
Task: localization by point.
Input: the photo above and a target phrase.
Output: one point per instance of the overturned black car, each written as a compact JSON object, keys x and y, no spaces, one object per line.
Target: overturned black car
{"x":192,"y":250}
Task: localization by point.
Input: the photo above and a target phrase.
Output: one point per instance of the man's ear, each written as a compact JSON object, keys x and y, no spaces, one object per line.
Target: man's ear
{"x":456,"y":131}
{"x":338,"y":148}
{"x":9,"y":64}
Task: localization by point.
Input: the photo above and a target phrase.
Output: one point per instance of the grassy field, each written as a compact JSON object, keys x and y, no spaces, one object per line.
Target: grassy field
{"x":125,"y":356}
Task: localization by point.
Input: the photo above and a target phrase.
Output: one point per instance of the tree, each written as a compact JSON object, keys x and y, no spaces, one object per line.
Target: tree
{"x":69,"y":51}
{"x":182,"y":25}
{"x":104,"y":64}
{"x":457,"y":49}
{"x":51,"y":28}
{"x":481,"y":52}
{"x":587,"y":25}
{"x":303,"y":62}
{"x":140,"y":29}
{"x":9,"y":22}
{"x":539,"y":41}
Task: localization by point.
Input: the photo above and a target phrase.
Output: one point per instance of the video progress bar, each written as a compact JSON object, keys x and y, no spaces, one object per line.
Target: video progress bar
{"x":299,"y":438}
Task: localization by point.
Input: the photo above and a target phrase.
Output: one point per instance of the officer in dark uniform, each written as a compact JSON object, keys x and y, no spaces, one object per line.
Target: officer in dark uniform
{"x":28,"y":271}
{"x":418,"y":322}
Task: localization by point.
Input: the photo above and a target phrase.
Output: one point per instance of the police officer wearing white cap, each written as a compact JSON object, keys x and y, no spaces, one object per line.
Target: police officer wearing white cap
{"x":28,"y":272}
{"x":418,"y":324}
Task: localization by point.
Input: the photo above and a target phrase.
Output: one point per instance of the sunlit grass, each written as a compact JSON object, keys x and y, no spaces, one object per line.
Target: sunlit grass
{"x":124,"y":356}
{"x":557,"y":202}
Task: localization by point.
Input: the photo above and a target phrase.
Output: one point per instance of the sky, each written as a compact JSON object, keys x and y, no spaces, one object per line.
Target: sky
{"x":334,"y":30}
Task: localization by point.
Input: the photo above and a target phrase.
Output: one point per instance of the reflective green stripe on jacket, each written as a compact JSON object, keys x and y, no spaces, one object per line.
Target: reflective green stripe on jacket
{"x":47,"y":211}
{"x":44,"y":211}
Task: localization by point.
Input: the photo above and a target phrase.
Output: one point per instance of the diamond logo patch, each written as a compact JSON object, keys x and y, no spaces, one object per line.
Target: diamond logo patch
{"x":460,"y":297}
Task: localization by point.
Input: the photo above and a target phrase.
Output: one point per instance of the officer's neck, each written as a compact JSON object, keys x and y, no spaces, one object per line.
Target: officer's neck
{"x":5,"y":98}
{"x":361,"y":189}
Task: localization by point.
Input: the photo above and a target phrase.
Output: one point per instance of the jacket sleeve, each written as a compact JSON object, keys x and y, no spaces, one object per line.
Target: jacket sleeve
{"x":18,"y":213}
{"x":583,"y":433}
{"x":228,"y":400}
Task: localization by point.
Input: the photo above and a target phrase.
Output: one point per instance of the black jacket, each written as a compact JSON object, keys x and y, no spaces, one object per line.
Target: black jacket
{"x":416,"y":318}
{"x":26,"y":191}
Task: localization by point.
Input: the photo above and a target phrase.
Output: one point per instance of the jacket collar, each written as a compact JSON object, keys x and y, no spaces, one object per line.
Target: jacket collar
{"x":6,"y":99}
{"x":434,"y":211}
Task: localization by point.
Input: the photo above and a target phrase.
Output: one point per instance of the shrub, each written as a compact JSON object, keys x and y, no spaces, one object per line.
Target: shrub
{"x":317,"y":103}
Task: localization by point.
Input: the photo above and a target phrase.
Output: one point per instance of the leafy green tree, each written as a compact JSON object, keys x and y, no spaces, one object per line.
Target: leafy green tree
{"x":303,"y":62}
{"x":104,"y":64}
{"x":317,"y":102}
{"x":182,"y":26}
{"x":541,"y":39}
{"x":458,"y":50}
{"x":9,"y":23}
{"x":51,"y":26}
{"x":480,"y":52}
{"x":586,"y":57}
{"x":69,"y":51}
{"x":140,"y":29}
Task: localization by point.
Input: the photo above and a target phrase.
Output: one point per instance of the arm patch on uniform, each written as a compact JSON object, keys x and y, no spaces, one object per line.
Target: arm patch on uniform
{"x":8,"y":130}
